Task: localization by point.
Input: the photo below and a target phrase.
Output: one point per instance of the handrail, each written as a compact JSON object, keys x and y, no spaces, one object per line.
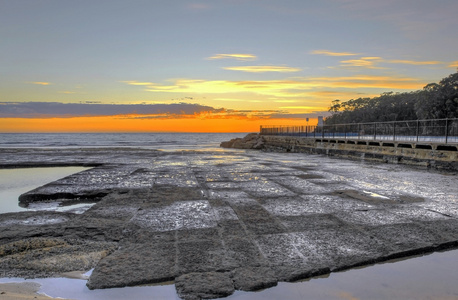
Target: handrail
{"x":433,"y":130}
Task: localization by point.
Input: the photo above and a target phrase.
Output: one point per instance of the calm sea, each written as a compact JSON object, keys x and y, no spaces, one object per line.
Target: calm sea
{"x":160,"y":141}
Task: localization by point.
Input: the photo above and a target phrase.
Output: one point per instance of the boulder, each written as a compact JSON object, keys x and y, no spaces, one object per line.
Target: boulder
{"x":250,"y":141}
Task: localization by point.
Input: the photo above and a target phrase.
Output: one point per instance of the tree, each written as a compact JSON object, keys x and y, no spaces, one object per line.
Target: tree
{"x":438,"y":101}
{"x":434,"y":101}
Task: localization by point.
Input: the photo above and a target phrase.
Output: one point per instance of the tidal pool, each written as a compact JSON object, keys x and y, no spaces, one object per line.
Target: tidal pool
{"x":431,"y":276}
{"x":14,"y":182}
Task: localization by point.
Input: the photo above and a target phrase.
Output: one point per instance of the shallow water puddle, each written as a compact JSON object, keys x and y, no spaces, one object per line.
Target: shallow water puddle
{"x":431,"y":276}
{"x":14,"y":182}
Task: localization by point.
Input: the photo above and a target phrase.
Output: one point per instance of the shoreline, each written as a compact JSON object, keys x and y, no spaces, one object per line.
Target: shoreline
{"x":23,"y":291}
{"x":220,"y":223}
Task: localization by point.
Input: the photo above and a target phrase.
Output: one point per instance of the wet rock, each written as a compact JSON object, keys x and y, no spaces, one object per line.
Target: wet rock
{"x":33,"y":218}
{"x":292,"y":273}
{"x":253,"y":279}
{"x":135,"y":264}
{"x":200,"y":256}
{"x":194,"y":286}
{"x":218,"y":222}
{"x":250,"y":141}
{"x":42,"y":257}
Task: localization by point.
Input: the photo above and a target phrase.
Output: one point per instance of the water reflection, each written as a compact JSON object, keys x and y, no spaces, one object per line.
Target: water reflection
{"x":14,"y":182}
{"x":431,"y":276}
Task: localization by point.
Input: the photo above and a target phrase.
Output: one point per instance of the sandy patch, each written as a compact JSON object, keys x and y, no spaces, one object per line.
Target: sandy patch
{"x":21,"y":291}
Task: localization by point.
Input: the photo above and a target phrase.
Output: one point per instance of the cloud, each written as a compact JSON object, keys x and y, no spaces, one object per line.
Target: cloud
{"x":297,"y":107}
{"x":40,"y":82}
{"x":364,"y":62}
{"x":228,"y":99}
{"x":413,"y":62}
{"x":69,"y":110}
{"x":370,"y":81}
{"x":286,"y":88}
{"x":48,"y":110}
{"x":237,"y":56}
{"x":454,"y":64}
{"x":263,"y":69}
{"x":285,"y":101}
{"x":134,"y":82}
{"x":371,"y":62}
{"x":332,"y":53}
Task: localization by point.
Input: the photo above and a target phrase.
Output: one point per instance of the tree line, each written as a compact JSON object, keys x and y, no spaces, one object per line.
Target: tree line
{"x":434,"y":101}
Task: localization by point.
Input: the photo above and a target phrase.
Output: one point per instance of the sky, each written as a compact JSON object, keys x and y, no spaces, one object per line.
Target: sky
{"x":209,"y":66}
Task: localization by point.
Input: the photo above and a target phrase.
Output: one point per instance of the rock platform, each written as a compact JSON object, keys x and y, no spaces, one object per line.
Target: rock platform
{"x":216,"y":222}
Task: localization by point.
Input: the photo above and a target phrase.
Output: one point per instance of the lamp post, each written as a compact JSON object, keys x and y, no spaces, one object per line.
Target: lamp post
{"x":307,"y":128}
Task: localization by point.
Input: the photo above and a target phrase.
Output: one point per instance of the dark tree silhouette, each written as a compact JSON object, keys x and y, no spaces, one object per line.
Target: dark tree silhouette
{"x":434,"y":101}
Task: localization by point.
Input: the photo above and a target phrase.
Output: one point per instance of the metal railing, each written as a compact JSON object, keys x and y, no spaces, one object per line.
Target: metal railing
{"x":437,"y":131}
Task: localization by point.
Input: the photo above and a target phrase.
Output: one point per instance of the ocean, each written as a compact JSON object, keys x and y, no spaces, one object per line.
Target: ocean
{"x":157,"y":141}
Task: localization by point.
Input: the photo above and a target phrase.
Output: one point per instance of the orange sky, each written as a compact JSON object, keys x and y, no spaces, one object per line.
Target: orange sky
{"x":123,"y":124}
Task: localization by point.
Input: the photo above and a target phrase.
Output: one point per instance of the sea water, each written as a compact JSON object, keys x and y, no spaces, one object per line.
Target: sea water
{"x":158,"y":141}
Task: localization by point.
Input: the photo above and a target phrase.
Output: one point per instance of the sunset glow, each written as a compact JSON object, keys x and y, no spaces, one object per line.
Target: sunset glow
{"x":136,"y":124}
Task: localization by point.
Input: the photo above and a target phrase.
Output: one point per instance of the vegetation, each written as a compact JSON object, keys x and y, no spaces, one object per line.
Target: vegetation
{"x":434,"y":101}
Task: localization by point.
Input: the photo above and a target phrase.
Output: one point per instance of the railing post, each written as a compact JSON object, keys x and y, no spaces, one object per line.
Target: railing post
{"x":375,"y":131}
{"x":394,"y":131}
{"x":422,"y":129}
{"x":446,"y":130}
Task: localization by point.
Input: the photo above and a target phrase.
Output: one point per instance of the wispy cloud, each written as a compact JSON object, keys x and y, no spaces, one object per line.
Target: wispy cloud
{"x":41,"y":82}
{"x":237,"y":56}
{"x":66,"y":92}
{"x":133,"y":82}
{"x":332,"y":53}
{"x":228,"y":99}
{"x":363,"y":62}
{"x":297,"y":107}
{"x":414,"y":62}
{"x":454,"y":64}
{"x":373,"y":62}
{"x":263,"y":69}
{"x":285,"y":101}
{"x":290,"y":87}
